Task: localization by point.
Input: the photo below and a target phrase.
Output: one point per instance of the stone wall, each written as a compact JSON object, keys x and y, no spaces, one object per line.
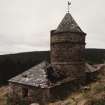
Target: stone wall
{"x":71,"y":70}
{"x":68,"y":53}
{"x":21,"y":93}
{"x":68,"y":36}
{"x":39,"y":95}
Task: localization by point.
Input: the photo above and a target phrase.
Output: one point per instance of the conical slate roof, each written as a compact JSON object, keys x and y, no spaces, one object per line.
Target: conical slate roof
{"x":68,"y":24}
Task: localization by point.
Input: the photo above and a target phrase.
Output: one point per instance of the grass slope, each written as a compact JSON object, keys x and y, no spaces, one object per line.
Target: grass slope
{"x":92,"y":94}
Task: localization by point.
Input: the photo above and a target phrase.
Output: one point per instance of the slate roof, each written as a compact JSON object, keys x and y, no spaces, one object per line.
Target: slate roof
{"x":43,"y":75}
{"x":68,"y":24}
{"x":92,"y":69}
{"x":35,"y":76}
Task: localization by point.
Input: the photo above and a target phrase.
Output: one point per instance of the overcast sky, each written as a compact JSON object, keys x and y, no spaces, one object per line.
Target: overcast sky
{"x":25,"y":24}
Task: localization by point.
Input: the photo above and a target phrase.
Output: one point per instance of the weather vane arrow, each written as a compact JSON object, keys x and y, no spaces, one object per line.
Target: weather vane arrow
{"x":69,"y":3}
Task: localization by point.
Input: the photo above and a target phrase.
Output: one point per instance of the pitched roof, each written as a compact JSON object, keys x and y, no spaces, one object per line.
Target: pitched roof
{"x":35,"y":76}
{"x":68,"y":24}
{"x":42,"y":75}
{"x":91,"y":69}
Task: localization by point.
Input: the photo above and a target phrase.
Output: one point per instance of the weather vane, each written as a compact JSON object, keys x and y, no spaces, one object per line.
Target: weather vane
{"x":69,"y":3}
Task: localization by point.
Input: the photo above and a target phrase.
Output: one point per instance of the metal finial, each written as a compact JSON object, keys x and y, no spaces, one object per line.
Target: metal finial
{"x":69,"y":3}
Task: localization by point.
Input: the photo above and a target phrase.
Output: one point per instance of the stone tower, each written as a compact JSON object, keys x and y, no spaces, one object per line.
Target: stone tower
{"x":68,"y":48}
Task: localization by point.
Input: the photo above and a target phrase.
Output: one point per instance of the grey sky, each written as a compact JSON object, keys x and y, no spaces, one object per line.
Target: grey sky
{"x":25,"y":24}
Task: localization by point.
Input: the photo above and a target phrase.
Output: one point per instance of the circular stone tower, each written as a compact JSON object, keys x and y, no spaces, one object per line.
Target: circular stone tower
{"x":68,"y":48}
